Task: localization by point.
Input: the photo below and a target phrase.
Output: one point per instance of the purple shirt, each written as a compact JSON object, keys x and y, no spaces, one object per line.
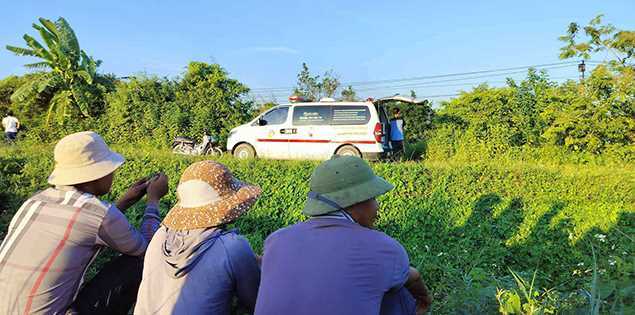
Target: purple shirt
{"x":333,"y":266}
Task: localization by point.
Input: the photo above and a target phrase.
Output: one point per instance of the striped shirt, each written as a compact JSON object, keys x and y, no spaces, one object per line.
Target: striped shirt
{"x":51,"y":241}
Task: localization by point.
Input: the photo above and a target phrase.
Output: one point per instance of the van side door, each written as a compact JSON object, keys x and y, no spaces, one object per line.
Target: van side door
{"x":313,"y":133}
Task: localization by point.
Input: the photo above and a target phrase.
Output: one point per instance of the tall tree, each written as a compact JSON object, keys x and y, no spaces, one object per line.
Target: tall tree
{"x":599,"y":37}
{"x":67,"y":70}
{"x":314,"y":87}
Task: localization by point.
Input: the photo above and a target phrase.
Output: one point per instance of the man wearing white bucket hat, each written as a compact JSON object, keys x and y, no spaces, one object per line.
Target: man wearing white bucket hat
{"x":56,"y":234}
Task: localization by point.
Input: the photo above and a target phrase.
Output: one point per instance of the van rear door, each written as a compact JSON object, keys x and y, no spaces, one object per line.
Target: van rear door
{"x":382,"y":103}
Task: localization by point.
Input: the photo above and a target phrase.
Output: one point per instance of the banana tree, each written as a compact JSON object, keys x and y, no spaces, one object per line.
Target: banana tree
{"x":66,"y":69}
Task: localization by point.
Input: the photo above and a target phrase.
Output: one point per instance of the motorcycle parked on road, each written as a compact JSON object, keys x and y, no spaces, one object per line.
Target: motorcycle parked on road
{"x":209,"y":146}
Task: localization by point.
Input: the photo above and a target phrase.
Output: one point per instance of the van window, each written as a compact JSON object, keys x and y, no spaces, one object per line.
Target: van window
{"x":311,"y":115}
{"x":350,"y":115}
{"x":277,"y":116}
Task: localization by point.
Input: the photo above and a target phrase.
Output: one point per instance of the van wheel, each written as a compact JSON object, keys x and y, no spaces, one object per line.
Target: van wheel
{"x":348,"y":150}
{"x":244,"y":151}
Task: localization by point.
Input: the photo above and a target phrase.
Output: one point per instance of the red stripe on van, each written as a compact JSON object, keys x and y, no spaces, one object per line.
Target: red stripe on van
{"x":360,"y":142}
{"x":317,"y":141}
{"x":273,"y":140}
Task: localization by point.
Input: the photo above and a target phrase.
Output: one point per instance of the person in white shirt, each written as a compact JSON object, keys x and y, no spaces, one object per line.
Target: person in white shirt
{"x":11,"y":126}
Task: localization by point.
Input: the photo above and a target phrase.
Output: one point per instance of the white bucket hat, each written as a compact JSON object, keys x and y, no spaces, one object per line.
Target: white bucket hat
{"x":83,"y":157}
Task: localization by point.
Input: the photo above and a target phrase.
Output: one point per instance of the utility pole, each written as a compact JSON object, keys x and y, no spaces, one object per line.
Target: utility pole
{"x":581,"y":68}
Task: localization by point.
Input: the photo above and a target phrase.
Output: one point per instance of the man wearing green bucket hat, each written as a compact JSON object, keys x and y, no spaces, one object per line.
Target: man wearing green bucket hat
{"x":335,"y":263}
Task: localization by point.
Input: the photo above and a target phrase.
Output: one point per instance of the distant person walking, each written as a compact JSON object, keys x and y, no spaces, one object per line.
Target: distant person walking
{"x":397,"y":125}
{"x":11,"y":126}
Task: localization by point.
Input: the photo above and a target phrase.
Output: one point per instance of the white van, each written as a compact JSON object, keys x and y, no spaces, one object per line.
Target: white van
{"x":316,"y":131}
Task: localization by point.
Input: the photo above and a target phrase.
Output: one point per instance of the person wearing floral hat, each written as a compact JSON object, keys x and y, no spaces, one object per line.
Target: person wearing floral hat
{"x":194,"y":264}
{"x":55,"y":235}
{"x":335,"y":263}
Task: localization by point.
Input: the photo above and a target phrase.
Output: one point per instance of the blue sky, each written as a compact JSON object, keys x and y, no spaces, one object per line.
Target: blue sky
{"x":263,"y":43}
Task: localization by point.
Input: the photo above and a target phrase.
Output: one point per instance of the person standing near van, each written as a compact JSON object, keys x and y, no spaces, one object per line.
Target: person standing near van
{"x":335,"y":262}
{"x":11,"y":126}
{"x":397,"y":125}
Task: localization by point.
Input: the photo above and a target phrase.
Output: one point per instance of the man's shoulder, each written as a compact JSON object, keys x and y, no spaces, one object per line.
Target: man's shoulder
{"x":72,"y":198}
{"x":287,"y":231}
{"x":380,"y":238}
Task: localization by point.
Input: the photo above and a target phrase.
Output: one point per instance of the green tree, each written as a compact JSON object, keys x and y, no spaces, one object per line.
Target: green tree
{"x":315,"y":87}
{"x":601,"y":116}
{"x":211,"y":101}
{"x":599,"y":37}
{"x":348,"y":94}
{"x":143,"y":109}
{"x":70,"y":75}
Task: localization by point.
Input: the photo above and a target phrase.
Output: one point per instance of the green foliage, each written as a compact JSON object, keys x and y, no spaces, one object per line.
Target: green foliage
{"x":599,"y":37}
{"x":155,"y":110}
{"x":595,"y":116}
{"x":508,"y":116}
{"x":349,"y":95}
{"x":143,"y":109}
{"x":462,"y":223}
{"x":71,"y":82}
{"x":525,"y":300}
{"x":313,"y":87}
{"x":210,"y":100}
{"x":8,"y":86}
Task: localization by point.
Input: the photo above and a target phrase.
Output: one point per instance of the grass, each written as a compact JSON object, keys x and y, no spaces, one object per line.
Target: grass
{"x":464,"y":222}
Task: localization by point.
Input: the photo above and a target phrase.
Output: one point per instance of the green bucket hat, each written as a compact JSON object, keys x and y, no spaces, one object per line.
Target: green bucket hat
{"x":341,"y":182}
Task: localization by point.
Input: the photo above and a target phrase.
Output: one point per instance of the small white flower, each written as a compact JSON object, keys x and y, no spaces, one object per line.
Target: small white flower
{"x":612,"y":261}
{"x":581,"y":264}
{"x":601,"y":237}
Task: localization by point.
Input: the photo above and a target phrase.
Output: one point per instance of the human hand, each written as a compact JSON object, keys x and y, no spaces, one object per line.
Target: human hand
{"x":157,"y":188}
{"x":423,"y":305}
{"x":133,"y":194}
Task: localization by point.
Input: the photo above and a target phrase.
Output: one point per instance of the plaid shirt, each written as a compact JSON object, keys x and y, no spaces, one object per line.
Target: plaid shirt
{"x":51,"y":241}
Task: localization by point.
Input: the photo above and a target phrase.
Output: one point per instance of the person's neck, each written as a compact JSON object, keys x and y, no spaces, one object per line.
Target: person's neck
{"x":86,"y":189}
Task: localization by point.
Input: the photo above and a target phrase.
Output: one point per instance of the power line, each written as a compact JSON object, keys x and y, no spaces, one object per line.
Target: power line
{"x":418,"y":84}
{"x":423,"y":84}
{"x":358,"y":83}
{"x":271,"y":96}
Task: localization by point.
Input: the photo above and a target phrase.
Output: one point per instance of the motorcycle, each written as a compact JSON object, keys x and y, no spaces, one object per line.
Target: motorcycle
{"x":209,"y":146}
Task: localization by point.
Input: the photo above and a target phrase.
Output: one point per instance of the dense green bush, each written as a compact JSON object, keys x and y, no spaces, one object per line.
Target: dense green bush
{"x":142,"y":109}
{"x":155,"y":110}
{"x":591,"y":121}
{"x":464,"y":224}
